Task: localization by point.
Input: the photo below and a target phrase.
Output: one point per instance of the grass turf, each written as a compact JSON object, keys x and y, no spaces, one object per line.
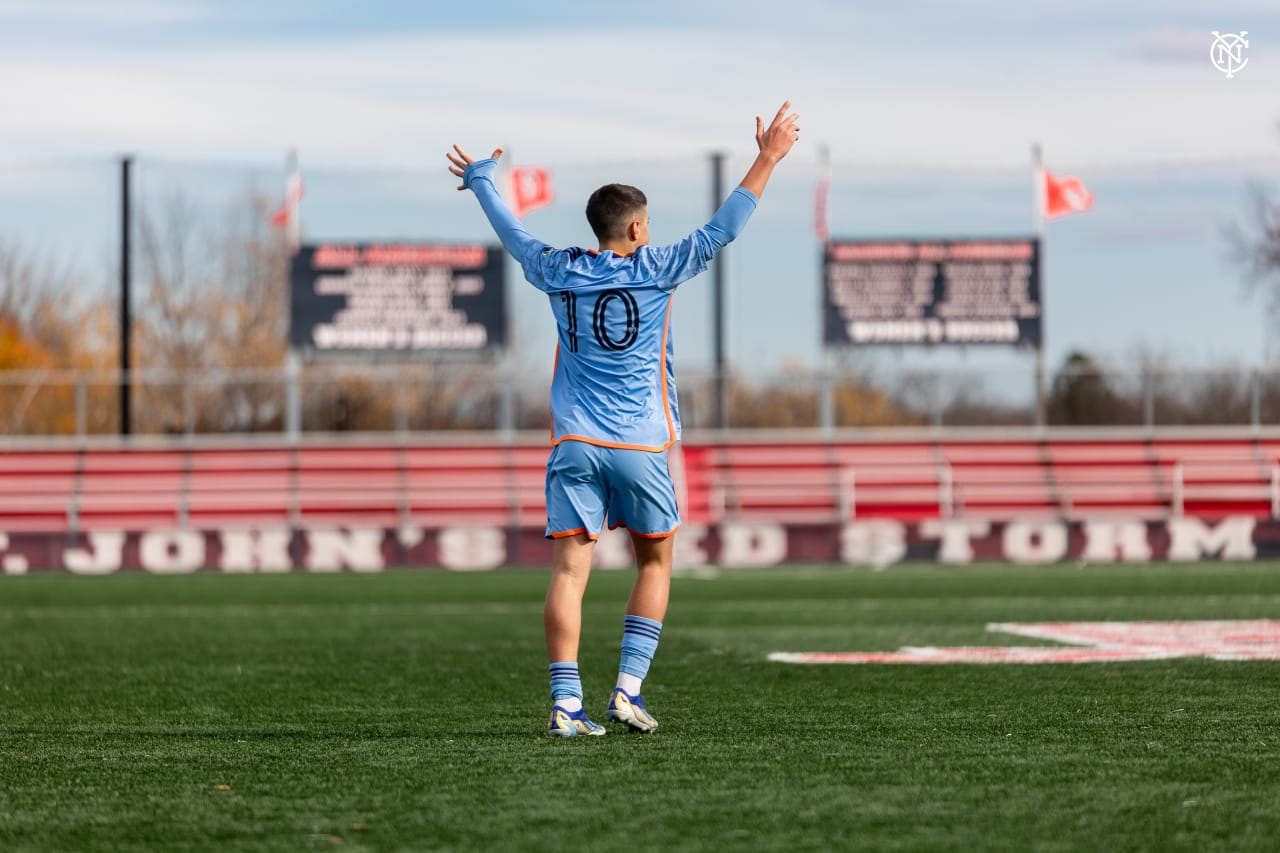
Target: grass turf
{"x":407,"y":710}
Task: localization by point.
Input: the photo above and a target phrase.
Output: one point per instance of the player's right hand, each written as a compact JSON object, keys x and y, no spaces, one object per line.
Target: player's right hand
{"x":463,"y":160}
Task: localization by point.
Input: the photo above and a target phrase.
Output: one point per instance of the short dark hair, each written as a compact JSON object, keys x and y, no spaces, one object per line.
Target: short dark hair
{"x":612,"y":207}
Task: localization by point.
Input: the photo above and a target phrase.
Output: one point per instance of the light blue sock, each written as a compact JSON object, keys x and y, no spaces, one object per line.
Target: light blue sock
{"x":566,"y":686}
{"x":639,"y":642}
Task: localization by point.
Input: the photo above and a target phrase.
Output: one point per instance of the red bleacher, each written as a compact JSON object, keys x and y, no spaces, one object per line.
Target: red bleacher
{"x":37,"y":489}
{"x":785,"y":480}
{"x":227,"y":487}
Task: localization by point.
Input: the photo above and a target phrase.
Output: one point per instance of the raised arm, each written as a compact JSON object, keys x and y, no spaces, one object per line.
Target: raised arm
{"x":477,"y":176}
{"x":774,"y":142}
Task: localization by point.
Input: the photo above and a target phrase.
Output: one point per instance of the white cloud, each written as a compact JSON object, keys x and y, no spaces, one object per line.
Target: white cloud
{"x":1167,"y":44}
{"x":565,"y":95}
{"x":135,"y":12}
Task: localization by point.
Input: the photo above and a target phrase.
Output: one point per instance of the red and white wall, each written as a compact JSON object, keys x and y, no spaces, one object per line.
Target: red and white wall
{"x":474,"y":505}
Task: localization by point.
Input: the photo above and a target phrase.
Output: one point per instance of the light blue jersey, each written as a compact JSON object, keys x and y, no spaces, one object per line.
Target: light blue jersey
{"x":614,"y":382}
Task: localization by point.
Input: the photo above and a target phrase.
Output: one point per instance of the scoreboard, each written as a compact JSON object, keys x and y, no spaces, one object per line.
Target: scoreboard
{"x":397,"y":297}
{"x":931,"y":292}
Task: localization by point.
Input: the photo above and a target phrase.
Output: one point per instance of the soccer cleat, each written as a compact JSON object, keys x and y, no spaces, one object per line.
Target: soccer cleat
{"x":571,"y":723}
{"x":630,"y":710}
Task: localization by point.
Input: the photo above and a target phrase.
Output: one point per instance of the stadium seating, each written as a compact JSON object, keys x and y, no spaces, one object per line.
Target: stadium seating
{"x":781,"y":479}
{"x":1218,"y":477}
{"x":122,"y":488}
{"x":1093,"y":478}
{"x":995,"y":480}
{"x":768,"y":482}
{"x":229,"y":487}
{"x":37,"y":490}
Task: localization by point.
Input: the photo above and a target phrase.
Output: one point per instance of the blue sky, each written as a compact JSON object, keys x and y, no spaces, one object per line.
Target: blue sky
{"x":929,"y":110}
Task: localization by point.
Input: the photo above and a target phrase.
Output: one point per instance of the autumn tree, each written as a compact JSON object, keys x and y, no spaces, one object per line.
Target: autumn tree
{"x":51,"y":307}
{"x":49,"y":324}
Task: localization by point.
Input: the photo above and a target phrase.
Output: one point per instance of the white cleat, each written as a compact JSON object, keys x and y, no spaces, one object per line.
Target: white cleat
{"x":630,"y":710}
{"x":572,"y":723}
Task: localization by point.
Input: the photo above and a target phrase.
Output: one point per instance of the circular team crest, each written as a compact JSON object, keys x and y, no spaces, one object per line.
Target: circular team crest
{"x":1227,"y":52}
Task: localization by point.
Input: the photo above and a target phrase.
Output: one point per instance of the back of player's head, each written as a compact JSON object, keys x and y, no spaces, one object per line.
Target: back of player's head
{"x":612,"y":207}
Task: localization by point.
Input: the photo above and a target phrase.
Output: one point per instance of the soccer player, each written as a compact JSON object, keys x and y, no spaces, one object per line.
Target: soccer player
{"x":614,"y":412}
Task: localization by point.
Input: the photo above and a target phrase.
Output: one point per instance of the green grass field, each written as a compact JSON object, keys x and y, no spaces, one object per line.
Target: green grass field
{"x":406,"y":711}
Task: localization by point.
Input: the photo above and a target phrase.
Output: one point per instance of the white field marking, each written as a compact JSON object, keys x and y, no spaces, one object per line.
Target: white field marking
{"x":1257,"y":639}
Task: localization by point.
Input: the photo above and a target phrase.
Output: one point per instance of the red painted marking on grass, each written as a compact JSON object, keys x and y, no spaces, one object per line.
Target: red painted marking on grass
{"x":1092,"y":642}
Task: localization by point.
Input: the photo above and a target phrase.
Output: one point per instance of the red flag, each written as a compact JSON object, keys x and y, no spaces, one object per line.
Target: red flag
{"x":821,"y":228}
{"x":289,"y":209}
{"x":1064,"y":196}
{"x":530,"y":189}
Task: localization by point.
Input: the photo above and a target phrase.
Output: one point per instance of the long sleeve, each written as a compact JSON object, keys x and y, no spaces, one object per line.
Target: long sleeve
{"x":682,"y":261}
{"x":730,"y":218}
{"x":478,"y":177}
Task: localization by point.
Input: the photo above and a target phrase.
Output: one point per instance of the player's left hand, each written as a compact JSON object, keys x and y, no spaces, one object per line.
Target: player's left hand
{"x":776,"y":139}
{"x":463,"y":160}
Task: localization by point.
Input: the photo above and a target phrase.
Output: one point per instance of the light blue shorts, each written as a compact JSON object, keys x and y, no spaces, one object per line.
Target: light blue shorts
{"x":588,"y":484}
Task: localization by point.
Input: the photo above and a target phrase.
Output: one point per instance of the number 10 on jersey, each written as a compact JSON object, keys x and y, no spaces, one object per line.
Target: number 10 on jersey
{"x":614,"y":340}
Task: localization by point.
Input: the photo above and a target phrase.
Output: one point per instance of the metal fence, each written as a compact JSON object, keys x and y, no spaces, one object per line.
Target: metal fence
{"x":421,"y":397}
{"x":1110,"y":287}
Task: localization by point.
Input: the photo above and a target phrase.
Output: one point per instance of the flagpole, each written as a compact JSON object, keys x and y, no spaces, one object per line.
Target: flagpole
{"x":508,"y":396}
{"x":1037,"y":178}
{"x":822,"y":215}
{"x":126,"y":320}
{"x":822,"y":231}
{"x":293,"y":238}
{"x":717,"y":301}
{"x":293,"y":198}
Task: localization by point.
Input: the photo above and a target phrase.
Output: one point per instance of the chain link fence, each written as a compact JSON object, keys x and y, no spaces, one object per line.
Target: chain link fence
{"x":1147,"y":271}
{"x":415,"y":397}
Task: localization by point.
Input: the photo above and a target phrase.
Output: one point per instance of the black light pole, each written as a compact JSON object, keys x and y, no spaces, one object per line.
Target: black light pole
{"x":125,"y":163}
{"x":717,"y":299}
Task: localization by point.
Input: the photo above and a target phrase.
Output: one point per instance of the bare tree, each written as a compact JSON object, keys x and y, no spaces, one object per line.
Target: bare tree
{"x":216,"y":301}
{"x":1255,"y":247}
{"x":254,"y":261}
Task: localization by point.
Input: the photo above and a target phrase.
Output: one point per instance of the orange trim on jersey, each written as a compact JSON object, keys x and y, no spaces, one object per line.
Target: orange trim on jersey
{"x":662,"y":373}
{"x":565,"y":534}
{"x":656,"y":448}
{"x":555,"y":365}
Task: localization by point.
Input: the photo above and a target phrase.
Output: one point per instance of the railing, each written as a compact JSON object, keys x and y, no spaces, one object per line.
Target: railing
{"x":942,"y":483}
{"x":1266,"y":489}
{"x":403,"y":480}
{"x":505,"y":397}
